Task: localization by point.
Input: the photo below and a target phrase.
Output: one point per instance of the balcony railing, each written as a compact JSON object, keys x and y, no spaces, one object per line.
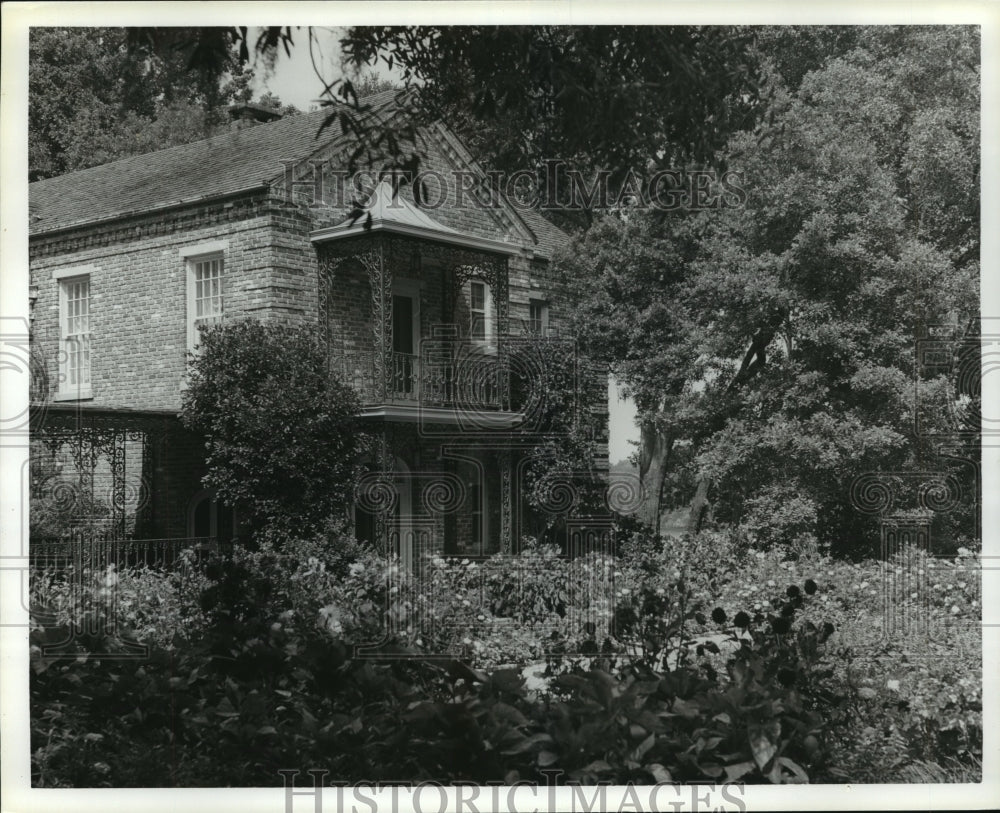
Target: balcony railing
{"x":473,"y":379}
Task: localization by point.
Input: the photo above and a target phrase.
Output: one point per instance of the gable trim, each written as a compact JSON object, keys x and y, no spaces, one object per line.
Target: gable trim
{"x":407,"y":230}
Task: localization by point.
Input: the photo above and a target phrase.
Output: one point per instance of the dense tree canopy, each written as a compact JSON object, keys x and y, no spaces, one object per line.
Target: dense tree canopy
{"x":615,"y":97}
{"x":776,"y":340}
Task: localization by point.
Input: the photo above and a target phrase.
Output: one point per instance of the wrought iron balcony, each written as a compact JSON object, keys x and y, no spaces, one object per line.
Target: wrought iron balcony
{"x":471,"y":379}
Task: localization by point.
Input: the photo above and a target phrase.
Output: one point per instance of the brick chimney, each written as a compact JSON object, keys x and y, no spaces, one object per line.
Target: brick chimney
{"x":246,"y":114}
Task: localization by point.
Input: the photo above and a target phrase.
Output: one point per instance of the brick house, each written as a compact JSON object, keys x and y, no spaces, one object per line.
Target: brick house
{"x":424,"y":309}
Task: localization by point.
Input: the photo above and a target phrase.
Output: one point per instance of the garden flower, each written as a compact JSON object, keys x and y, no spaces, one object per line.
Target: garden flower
{"x":355,"y":568}
{"x":892,"y":685}
{"x":329,"y":617}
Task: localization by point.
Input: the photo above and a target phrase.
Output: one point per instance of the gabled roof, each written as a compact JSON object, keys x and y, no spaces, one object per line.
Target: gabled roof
{"x":226,"y":164}
{"x":231,"y":162}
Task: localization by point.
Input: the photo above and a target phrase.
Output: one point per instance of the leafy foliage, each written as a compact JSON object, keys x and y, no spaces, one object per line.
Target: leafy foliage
{"x":552,"y":384}
{"x":770,"y":346}
{"x":683,"y":88}
{"x":786,"y":679}
{"x":279,"y":429}
{"x":254,"y":680}
{"x":100,"y":94}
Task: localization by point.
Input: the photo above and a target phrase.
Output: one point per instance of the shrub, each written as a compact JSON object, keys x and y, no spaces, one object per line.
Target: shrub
{"x":279,"y":429}
{"x":251,"y":696}
{"x":786,"y":677}
{"x":133,"y":604}
{"x":911,"y":699}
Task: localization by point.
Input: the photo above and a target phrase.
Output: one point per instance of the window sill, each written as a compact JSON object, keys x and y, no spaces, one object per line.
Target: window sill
{"x":82,"y":394}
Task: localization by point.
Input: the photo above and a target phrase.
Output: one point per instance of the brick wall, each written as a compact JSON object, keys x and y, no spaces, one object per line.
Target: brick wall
{"x":138,"y":296}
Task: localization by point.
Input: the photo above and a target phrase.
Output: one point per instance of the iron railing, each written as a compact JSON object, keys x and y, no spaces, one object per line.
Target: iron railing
{"x":472,"y":380}
{"x":97,"y":553}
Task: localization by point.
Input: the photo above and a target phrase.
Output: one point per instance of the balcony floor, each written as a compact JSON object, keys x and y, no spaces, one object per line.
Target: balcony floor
{"x":409,"y":412}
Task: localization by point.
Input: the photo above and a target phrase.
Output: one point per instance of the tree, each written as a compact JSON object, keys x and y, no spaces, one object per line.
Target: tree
{"x":368,"y":83}
{"x":564,"y":91}
{"x":100,"y":94}
{"x":776,"y":339}
{"x":91,"y":95}
{"x":280,"y":431}
{"x":621,"y":99}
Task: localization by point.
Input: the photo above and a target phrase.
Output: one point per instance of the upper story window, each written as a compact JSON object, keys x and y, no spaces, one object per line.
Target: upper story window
{"x":74,"y":337}
{"x":74,"y":333}
{"x":205,"y":284}
{"x":538,"y":317}
{"x":480,"y":311}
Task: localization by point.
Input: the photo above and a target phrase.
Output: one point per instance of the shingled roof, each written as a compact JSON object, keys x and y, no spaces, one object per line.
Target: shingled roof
{"x":225,"y":164}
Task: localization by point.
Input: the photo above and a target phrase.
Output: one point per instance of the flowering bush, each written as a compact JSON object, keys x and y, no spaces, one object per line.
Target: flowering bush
{"x":137,"y":604}
{"x":906,"y":652}
{"x":500,"y":610}
{"x":703,"y":658}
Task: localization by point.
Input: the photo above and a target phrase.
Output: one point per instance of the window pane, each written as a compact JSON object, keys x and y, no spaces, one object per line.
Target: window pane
{"x":207,"y":291}
{"x":76,"y":332}
{"x":478,"y":298}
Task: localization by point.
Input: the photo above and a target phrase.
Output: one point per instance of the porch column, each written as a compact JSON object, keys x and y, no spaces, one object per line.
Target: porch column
{"x":506,"y":509}
{"x":118,"y":484}
{"x":384,"y":516}
{"x":500,"y":283}
{"x":380,"y":278}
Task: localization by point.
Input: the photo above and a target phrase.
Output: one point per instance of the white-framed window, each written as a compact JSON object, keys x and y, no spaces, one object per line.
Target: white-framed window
{"x":480,"y":312}
{"x":74,"y":338}
{"x":206,"y":276}
{"x":538,"y":317}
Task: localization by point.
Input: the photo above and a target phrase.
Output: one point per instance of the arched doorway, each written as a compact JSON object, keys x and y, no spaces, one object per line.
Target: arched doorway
{"x":207,"y":517}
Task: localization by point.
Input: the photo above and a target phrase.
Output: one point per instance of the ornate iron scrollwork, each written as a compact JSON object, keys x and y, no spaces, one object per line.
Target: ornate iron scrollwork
{"x":384,"y":255}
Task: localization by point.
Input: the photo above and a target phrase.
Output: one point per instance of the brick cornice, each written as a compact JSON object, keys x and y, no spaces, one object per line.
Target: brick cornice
{"x":163,"y":222}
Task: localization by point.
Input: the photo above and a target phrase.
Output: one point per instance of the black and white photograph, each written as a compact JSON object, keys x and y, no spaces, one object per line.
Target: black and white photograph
{"x":499,"y":406}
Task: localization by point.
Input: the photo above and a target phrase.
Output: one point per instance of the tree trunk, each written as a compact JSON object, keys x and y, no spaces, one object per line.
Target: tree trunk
{"x":699,"y":503}
{"x":654,"y":453}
